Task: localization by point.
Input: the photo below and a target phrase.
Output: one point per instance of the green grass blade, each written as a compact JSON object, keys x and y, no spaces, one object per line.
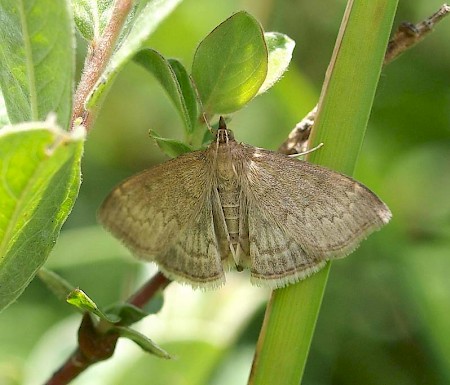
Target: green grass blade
{"x":344,"y":109}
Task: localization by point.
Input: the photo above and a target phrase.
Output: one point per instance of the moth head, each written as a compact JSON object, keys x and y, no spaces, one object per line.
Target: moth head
{"x":223,"y":134}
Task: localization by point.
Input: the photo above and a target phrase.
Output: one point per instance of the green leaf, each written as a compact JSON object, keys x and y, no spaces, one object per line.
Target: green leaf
{"x":187,"y":90}
{"x":143,"y":25}
{"x":81,"y":300}
{"x":57,"y":284}
{"x":37,"y":59}
{"x":230,"y":64}
{"x":40,"y":179}
{"x":91,"y":17}
{"x":175,"y":80}
{"x":280,"y":48}
{"x":145,"y":343}
{"x":170,"y":147}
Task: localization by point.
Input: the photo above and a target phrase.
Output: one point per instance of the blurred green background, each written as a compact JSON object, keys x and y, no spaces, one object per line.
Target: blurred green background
{"x":386,"y":312}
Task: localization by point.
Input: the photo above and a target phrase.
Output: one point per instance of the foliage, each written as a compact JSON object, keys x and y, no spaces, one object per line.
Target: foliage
{"x":385,"y":308}
{"x":40,"y":179}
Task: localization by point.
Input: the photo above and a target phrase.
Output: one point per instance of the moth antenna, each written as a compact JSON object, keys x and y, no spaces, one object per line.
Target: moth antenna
{"x":205,"y":119}
{"x":199,"y":101}
{"x":307,"y":151}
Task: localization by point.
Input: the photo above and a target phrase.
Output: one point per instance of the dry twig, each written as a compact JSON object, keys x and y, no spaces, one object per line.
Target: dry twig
{"x":406,"y":36}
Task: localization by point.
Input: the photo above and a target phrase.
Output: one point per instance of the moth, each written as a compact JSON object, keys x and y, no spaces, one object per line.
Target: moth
{"x":237,"y":206}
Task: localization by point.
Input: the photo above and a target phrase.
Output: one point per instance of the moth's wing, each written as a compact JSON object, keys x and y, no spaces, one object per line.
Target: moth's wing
{"x":160,"y":214}
{"x":276,"y":258}
{"x":196,"y":255}
{"x":301,"y":215}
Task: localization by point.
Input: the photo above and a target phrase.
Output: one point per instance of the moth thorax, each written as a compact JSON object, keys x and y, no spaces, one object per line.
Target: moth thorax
{"x":225,"y":166}
{"x":224,"y":135}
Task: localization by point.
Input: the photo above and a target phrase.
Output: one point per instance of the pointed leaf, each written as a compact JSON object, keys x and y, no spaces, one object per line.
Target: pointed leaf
{"x":145,"y":343}
{"x":175,"y":80}
{"x":91,"y":17}
{"x":40,"y":177}
{"x":280,"y":48}
{"x":230,"y":64}
{"x":37,"y":59}
{"x":81,"y":300}
{"x":143,"y":25}
{"x":170,"y":147}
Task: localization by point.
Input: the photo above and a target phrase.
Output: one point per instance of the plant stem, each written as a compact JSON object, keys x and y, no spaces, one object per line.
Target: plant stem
{"x":69,"y":370}
{"x":280,"y":313}
{"x":408,"y":35}
{"x":99,"y":53}
{"x":95,"y":346}
{"x":146,"y":292}
{"x":343,"y":112}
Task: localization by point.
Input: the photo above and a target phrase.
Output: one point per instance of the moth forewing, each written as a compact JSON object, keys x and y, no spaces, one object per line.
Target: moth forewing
{"x":150,"y":210}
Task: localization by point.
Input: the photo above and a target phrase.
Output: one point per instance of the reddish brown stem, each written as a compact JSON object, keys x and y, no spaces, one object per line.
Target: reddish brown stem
{"x":92,"y":347}
{"x":71,"y":369}
{"x":146,"y":292}
{"x":95,"y":346}
{"x":99,"y":53}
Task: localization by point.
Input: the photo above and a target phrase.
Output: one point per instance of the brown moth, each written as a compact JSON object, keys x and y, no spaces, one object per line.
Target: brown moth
{"x":235,"y":205}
